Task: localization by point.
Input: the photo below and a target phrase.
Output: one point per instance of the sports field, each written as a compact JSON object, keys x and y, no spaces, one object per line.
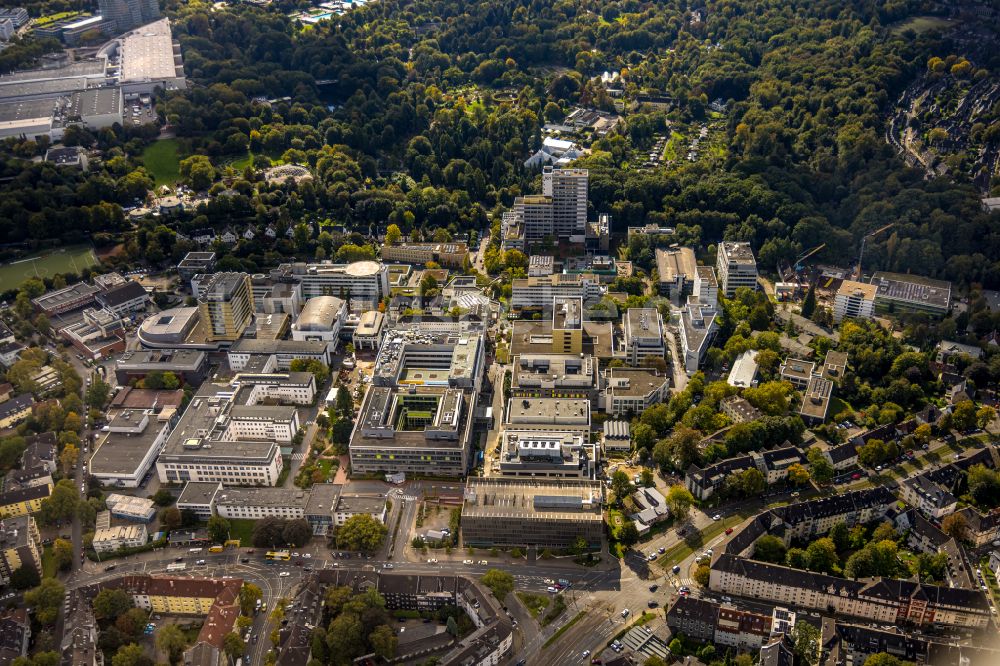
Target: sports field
{"x":46,"y":264}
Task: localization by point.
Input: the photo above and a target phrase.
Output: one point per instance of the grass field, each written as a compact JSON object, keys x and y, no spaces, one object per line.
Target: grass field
{"x":920,"y":24}
{"x":242,"y":529}
{"x":162,"y":160}
{"x":66,"y":260}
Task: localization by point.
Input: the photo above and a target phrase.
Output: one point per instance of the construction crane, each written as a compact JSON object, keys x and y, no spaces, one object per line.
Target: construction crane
{"x":806,"y":255}
{"x":861,"y":253}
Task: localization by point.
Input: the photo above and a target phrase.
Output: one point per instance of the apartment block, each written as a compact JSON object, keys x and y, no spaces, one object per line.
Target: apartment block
{"x":854,"y":300}
{"x":568,"y":190}
{"x":226,"y":305}
{"x":883,"y":600}
{"x":736,"y":267}
{"x":20,"y":546}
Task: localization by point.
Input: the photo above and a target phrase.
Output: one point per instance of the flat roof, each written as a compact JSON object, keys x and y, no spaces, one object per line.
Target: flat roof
{"x":199,"y":492}
{"x":54,"y":299}
{"x":816,"y":397}
{"x":147,"y":54}
{"x":852,"y":288}
{"x":121,"y":453}
{"x":31,"y":109}
{"x":738,"y":252}
{"x":360,"y":504}
{"x":637,"y":382}
{"x":532,"y":499}
{"x":96,"y":102}
{"x":914,"y":289}
{"x":292,"y":498}
{"x":672,"y":263}
{"x":525,"y":410}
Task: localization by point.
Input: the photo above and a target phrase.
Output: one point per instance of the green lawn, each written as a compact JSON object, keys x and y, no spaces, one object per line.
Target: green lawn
{"x":48,"y":563}
{"x":242,"y":529}
{"x":67,"y":260}
{"x":162,"y":160}
{"x":535,"y":603}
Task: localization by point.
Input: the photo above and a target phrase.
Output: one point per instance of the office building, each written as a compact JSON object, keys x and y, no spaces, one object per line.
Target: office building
{"x":128,"y":445}
{"x":414,"y":429}
{"x":20,"y":546}
{"x":643,"y":335}
{"x":540,"y":454}
{"x":199,"y":498}
{"x":567,"y":325}
{"x":226,"y":305}
{"x":73,"y":297}
{"x":797,"y":372}
{"x":362,"y":283}
{"x":110,"y":539}
{"x":548,"y":414}
{"x":447,"y":255}
{"x":697,"y":329}
{"x":411,"y":357}
{"x":321,"y":318}
{"x":555,"y":376}
{"x":816,"y":400}
{"x":130,"y":507}
{"x":744,"y":372}
{"x":188,"y":365}
{"x":529,"y":512}
{"x":630,"y":391}
{"x":854,"y":300}
{"x":706,"y":286}
{"x":369,"y":331}
{"x":225,"y":435}
{"x":276,"y":353}
{"x":538,"y":293}
{"x":124,"y":15}
{"x":911,"y":293}
{"x":677,"y":269}
{"x":736,"y":267}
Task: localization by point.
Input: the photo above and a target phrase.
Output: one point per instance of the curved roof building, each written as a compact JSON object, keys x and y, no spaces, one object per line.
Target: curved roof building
{"x":320,"y":314}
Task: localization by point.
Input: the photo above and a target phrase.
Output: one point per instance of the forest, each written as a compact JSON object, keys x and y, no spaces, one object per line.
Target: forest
{"x":393,"y":106}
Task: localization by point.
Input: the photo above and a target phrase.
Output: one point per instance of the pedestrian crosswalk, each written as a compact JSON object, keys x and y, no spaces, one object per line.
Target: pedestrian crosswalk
{"x":298,"y":457}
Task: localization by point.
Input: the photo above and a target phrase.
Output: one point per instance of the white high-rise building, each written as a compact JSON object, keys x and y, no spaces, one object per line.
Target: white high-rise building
{"x":855,"y":300}
{"x":568,"y":190}
{"x":737,"y":267}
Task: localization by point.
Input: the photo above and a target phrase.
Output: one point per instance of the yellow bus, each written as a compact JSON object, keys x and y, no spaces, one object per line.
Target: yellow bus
{"x":216,"y":549}
{"x":278,"y":555}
